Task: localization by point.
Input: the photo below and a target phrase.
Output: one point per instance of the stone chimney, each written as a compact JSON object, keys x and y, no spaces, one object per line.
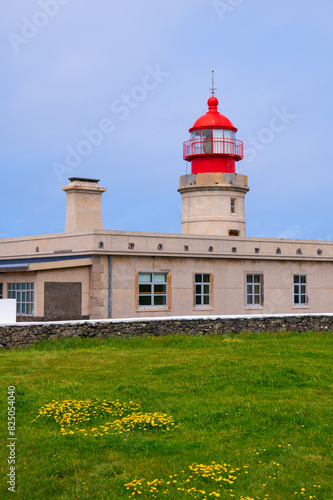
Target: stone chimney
{"x":84,"y":205}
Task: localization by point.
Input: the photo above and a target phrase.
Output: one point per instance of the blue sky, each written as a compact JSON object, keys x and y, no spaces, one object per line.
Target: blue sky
{"x":141,"y":71}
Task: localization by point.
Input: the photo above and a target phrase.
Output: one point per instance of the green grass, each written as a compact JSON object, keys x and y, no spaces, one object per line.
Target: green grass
{"x":260,"y":403}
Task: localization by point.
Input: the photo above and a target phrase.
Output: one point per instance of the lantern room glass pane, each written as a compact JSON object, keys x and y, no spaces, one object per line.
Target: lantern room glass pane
{"x":218,"y":140}
{"x":197,"y":146}
{"x":206,"y":133}
{"x":218,"y":133}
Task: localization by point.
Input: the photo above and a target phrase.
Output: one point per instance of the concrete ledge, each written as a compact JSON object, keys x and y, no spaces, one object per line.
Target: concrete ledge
{"x":19,"y":335}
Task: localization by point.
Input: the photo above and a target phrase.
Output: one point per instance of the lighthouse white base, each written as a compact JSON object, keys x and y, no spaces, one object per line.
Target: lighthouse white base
{"x":213,"y":204}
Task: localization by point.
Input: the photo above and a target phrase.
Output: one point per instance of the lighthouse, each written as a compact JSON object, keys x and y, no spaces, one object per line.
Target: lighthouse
{"x":213,"y":194}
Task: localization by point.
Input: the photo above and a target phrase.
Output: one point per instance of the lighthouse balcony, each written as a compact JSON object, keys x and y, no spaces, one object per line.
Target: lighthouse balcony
{"x":222,"y":146}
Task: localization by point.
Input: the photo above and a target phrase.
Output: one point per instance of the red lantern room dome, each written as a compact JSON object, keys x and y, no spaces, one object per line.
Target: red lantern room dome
{"x":213,"y":146}
{"x":213,"y":119}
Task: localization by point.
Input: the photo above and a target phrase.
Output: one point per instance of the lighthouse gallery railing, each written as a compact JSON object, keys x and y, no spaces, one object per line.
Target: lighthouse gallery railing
{"x":231,"y":147}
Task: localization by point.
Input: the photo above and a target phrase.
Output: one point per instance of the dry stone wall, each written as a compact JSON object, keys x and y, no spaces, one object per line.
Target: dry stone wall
{"x":23,"y":335}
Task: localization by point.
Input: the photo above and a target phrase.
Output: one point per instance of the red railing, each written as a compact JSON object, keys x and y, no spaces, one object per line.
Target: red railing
{"x":230,"y":147}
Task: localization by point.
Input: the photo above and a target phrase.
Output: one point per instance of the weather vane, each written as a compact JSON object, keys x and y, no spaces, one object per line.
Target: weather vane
{"x":213,"y":88}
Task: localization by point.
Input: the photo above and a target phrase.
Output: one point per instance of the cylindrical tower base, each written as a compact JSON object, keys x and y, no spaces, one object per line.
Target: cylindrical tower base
{"x":213,"y":203}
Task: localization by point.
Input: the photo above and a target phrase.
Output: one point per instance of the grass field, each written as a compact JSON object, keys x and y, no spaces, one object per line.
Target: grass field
{"x":244,"y":416}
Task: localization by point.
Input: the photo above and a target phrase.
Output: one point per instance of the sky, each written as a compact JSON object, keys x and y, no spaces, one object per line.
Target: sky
{"x":108,"y":90}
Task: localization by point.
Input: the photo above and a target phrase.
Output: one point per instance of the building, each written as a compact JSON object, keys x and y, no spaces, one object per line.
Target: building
{"x":210,"y":268}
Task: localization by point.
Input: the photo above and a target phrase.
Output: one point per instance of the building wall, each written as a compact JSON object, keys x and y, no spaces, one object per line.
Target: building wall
{"x":228,"y":288}
{"x":39,"y":278}
{"x":99,"y":288}
{"x":84,"y":257}
{"x":80,"y":275}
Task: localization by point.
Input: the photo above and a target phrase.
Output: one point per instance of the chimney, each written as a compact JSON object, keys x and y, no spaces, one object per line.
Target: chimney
{"x":84,"y":205}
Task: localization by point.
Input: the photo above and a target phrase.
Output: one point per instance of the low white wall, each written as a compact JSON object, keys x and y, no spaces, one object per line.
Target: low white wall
{"x":7,"y":311}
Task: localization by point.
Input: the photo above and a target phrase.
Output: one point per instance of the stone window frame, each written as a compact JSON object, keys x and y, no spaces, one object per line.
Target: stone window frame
{"x":168,"y":290}
{"x":211,"y":292}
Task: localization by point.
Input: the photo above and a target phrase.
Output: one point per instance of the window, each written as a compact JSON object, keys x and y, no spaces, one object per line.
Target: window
{"x":254,"y":289}
{"x":202,"y":289}
{"x":152,"y":289}
{"x":233,"y":232}
{"x":300,"y":297}
{"x":224,"y":141}
{"x":233,"y":206}
{"x":1,"y":291}
{"x":206,"y":135}
{"x":24,"y":295}
{"x":220,"y":141}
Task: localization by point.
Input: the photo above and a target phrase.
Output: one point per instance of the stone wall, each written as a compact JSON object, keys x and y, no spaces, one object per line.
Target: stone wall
{"x":22,"y":335}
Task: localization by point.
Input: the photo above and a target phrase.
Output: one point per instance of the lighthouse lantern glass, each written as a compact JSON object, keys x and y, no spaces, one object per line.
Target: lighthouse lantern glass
{"x":206,"y":141}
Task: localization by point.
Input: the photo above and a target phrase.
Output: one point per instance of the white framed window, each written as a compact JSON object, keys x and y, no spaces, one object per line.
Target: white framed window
{"x":254,"y":289}
{"x":152,"y":289}
{"x":300,"y":291}
{"x":202,"y":290}
{"x":24,"y":295}
{"x":232,"y":205}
